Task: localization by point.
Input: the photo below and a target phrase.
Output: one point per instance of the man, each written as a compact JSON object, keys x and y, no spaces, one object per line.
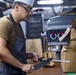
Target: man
{"x":12,"y":43}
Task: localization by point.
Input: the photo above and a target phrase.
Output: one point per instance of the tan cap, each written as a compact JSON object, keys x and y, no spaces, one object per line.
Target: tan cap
{"x":28,"y":2}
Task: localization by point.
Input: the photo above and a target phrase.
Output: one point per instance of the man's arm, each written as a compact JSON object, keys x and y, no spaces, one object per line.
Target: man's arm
{"x":7,"y":57}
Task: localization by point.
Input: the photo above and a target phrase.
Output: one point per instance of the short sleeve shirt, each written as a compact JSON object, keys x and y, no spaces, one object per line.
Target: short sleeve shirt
{"x":7,"y":31}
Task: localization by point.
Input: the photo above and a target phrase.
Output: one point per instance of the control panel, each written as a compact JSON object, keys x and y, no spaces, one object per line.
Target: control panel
{"x":54,"y":35}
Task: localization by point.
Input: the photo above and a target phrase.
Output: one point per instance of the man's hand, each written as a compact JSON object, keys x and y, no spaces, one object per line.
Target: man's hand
{"x":28,"y":68}
{"x":35,"y":57}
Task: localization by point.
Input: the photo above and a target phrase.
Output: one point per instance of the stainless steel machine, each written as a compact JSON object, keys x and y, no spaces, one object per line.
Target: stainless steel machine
{"x":58,"y":32}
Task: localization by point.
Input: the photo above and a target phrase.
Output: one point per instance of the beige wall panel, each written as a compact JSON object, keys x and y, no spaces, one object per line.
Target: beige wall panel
{"x":34,"y":45}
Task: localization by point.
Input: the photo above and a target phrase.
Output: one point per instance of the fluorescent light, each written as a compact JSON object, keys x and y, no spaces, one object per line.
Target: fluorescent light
{"x":50,"y":2}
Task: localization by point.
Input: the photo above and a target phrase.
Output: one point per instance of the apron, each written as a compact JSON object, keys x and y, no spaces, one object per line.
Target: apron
{"x":18,"y":51}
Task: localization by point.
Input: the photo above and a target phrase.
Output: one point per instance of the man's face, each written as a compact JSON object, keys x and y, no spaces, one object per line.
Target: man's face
{"x":25,"y":11}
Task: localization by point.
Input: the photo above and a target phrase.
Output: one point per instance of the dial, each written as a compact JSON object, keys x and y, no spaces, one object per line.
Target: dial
{"x":53,"y":35}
